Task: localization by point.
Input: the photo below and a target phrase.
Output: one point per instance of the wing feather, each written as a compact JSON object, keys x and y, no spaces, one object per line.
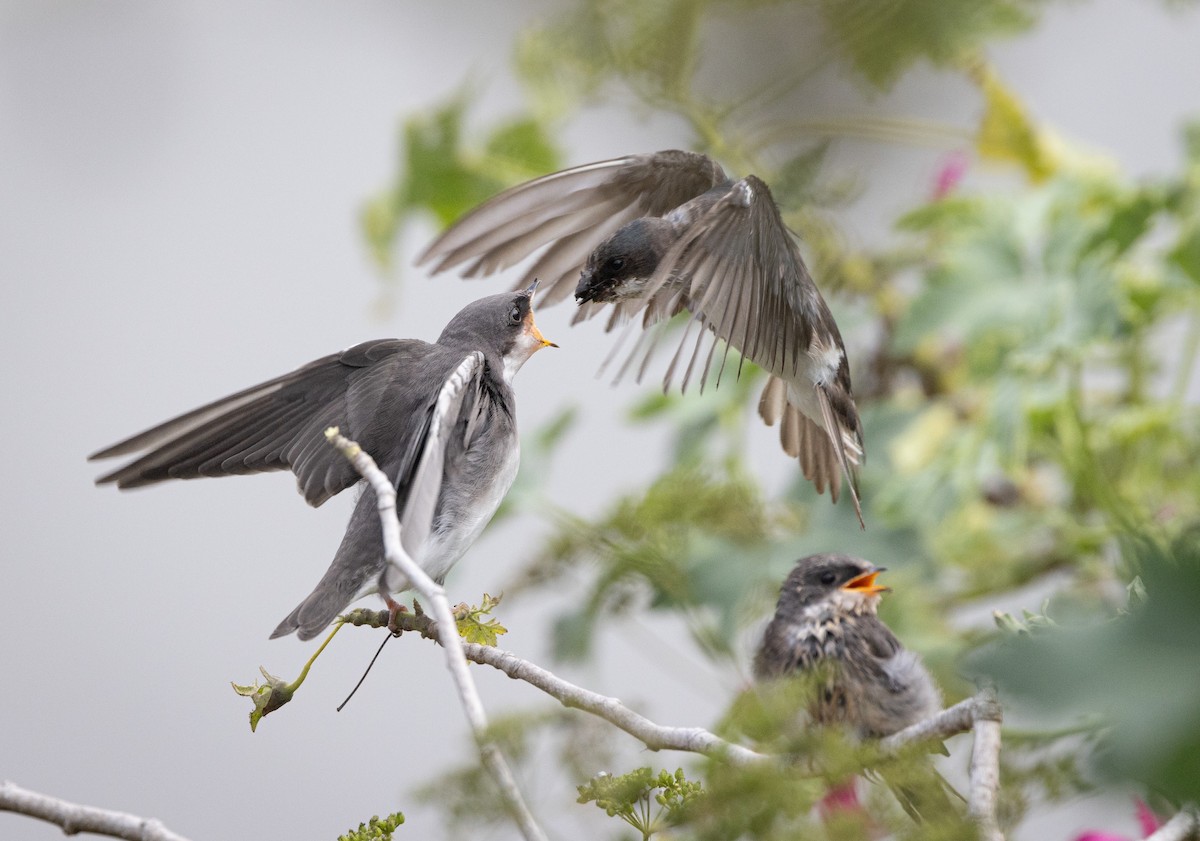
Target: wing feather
{"x":583,"y":204}
{"x":279,"y":424}
{"x":457,"y":399}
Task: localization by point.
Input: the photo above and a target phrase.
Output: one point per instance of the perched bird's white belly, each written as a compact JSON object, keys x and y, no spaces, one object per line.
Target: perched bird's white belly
{"x":444,"y":546}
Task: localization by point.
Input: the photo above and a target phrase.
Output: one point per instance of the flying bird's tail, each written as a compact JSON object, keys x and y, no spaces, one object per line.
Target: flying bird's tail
{"x":827,"y":450}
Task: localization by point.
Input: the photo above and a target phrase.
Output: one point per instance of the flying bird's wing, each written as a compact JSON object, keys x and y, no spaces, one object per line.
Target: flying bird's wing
{"x":576,"y":209}
{"x":280,"y":424}
{"x":738,"y":270}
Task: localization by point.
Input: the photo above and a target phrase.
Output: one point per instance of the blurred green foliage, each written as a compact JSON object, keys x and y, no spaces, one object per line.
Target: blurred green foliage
{"x":629,"y":797}
{"x":1022,"y":358}
{"x":376,"y":829}
{"x":1136,"y":670}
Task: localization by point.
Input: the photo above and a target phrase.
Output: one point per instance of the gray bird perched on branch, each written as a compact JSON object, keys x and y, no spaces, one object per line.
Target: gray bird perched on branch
{"x":439,"y":419}
{"x":826,"y":626}
{"x":669,"y":231}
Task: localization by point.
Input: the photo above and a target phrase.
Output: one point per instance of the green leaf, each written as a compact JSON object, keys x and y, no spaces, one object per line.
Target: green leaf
{"x":1007,"y":133}
{"x":796,"y":180}
{"x":1139,"y":669}
{"x":471,"y":624}
{"x":437,"y":175}
{"x":267,"y":697}
{"x":1127,"y":223}
{"x":442,"y":175}
{"x":1186,"y":253}
{"x":882,"y":40}
{"x":628,"y":797}
{"x":377,"y":829}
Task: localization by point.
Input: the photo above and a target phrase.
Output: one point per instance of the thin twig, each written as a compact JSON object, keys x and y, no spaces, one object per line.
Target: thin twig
{"x":74,"y":818}
{"x":949,"y":722}
{"x":654,"y":736}
{"x":1184,"y":825}
{"x":432,"y":592}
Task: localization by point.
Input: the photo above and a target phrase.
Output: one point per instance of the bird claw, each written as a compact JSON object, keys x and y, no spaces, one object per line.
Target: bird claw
{"x":394,"y":611}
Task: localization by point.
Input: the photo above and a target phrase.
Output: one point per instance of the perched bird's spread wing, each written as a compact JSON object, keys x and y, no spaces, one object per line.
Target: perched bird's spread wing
{"x":446,"y":436}
{"x":576,"y":209}
{"x":280,"y":424}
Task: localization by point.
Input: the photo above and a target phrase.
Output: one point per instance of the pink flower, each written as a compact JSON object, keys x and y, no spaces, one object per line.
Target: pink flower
{"x":840,"y":799}
{"x":1146,"y":820}
{"x":954,"y":167}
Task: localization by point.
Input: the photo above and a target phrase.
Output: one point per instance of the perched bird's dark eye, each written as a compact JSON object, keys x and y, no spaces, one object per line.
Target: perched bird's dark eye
{"x":616,"y":264}
{"x":514,"y":315}
{"x":828,"y":578}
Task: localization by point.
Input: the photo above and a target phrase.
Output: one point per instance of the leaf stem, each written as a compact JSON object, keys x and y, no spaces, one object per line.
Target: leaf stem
{"x":294,"y":685}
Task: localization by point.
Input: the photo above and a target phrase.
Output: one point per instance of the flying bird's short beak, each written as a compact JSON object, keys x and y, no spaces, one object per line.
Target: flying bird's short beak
{"x":865,"y":583}
{"x":583,"y":291}
{"x":532,"y":287}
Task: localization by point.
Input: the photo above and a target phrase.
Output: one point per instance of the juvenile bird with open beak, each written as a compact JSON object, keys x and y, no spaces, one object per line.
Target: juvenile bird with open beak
{"x":826,"y":616}
{"x":438,"y":418}
{"x":826,"y":624}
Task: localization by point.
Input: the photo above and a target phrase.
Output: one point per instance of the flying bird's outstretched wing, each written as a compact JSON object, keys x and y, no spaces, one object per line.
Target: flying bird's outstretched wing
{"x":738,"y":270}
{"x":576,"y":209}
{"x":698,"y":242}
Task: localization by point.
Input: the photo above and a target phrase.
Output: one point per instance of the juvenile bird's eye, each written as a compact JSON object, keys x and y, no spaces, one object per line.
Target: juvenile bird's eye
{"x":828,"y":578}
{"x":514,"y":315}
{"x":616,"y":264}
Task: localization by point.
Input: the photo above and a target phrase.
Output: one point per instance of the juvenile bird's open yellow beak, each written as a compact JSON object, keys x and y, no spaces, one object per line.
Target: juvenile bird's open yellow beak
{"x":533,"y":331}
{"x":530,"y":327}
{"x":865,"y":583}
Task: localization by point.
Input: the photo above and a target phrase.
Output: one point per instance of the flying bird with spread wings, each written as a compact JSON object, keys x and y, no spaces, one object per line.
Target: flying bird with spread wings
{"x":660,"y":233}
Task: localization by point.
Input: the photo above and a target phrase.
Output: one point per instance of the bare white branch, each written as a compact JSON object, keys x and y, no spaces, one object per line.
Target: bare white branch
{"x":653,"y":736}
{"x":433,"y":593}
{"x":982,"y":714}
{"x":949,"y":722}
{"x":985,"y":778}
{"x":1184,"y":825}
{"x":74,"y":818}
{"x":957,"y":719}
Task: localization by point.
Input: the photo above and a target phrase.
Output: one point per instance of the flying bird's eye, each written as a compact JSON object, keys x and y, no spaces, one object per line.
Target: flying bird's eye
{"x":514,"y":315}
{"x":828,"y":577}
{"x":615,"y":264}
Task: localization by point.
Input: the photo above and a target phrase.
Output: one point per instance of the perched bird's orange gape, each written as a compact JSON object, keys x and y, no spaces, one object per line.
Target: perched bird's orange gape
{"x":438,"y":418}
{"x":660,"y":233}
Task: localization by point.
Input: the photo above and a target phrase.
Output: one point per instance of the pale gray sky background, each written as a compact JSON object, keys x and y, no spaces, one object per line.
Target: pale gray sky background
{"x":179,"y":189}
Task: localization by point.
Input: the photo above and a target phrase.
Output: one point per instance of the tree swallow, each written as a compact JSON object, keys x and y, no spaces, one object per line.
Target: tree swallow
{"x":825,"y":625}
{"x":439,"y":419}
{"x":658,"y":233}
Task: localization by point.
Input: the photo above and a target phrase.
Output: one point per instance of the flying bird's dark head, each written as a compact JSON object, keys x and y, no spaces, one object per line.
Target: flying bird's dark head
{"x":502,"y":325}
{"x":621,"y":265}
{"x":845,"y":581}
